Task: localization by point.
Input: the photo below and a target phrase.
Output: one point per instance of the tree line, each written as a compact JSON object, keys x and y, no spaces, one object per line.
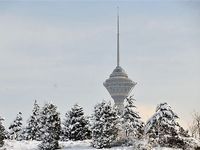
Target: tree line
{"x":106,"y":127}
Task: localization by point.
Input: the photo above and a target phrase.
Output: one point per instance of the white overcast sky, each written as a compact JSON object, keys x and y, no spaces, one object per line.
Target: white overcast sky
{"x":62,"y":51}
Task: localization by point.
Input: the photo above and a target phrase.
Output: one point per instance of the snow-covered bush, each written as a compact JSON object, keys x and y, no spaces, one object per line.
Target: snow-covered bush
{"x":192,"y":143}
{"x":76,"y":125}
{"x":2,"y":132}
{"x":105,"y":125}
{"x":32,"y":130}
{"x":185,"y":143}
{"x":141,"y":144}
{"x":50,"y":127}
{"x":15,"y":129}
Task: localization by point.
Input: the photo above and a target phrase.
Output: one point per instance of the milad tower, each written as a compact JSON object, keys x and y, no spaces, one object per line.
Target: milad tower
{"x":118,"y":84}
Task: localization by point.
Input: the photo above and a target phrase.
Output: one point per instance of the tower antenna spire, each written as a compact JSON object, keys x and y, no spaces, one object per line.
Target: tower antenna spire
{"x":117,"y":36}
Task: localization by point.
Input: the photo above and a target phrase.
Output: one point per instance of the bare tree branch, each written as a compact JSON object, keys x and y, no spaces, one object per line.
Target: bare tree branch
{"x":195,"y":126}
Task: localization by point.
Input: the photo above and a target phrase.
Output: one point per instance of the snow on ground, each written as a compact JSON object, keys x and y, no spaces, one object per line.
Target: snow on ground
{"x":69,"y":145}
{"x":20,"y":145}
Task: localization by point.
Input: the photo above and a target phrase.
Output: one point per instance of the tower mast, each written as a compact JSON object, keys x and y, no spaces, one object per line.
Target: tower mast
{"x":117,"y":36}
{"x":118,"y":84}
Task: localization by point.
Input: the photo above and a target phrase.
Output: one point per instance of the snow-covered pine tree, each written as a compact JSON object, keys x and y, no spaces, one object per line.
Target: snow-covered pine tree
{"x":15,"y":129}
{"x":65,"y":128}
{"x":163,"y":128}
{"x":23,"y":134}
{"x":2,"y":132}
{"x":76,"y":125}
{"x":131,"y":121}
{"x":50,"y":127}
{"x":32,"y":129}
{"x":105,"y":125}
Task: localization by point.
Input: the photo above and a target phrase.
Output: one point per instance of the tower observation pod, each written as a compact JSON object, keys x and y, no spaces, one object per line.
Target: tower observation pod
{"x":118,"y":84}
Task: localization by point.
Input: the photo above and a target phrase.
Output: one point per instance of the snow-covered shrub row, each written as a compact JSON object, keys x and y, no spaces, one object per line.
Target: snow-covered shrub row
{"x":45,"y":125}
{"x":106,"y":127}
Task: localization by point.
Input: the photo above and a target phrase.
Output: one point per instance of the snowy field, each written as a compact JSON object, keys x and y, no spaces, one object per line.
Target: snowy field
{"x":70,"y":145}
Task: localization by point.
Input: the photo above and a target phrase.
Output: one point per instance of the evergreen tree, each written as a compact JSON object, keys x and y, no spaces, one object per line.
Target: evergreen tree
{"x":65,"y":132}
{"x":15,"y":129}
{"x":23,"y":134}
{"x":76,"y":125}
{"x":105,"y":125}
{"x":50,"y":127}
{"x":131,"y":123}
{"x":2,"y":132}
{"x":32,"y":129}
{"x":163,"y":128}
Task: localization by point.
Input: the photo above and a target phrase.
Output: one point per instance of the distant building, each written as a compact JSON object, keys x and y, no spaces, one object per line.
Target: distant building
{"x":118,"y":84}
